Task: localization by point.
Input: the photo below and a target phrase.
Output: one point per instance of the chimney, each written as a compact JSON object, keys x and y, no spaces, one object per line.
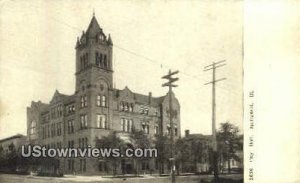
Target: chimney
{"x":187,"y":133}
{"x":150,"y":98}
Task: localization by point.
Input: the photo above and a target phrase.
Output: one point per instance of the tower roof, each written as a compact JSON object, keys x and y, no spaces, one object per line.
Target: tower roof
{"x":94,"y":34}
{"x":94,"y":28}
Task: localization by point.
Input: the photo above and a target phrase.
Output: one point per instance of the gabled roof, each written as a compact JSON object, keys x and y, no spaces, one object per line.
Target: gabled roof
{"x":140,"y":98}
{"x":57,"y":96}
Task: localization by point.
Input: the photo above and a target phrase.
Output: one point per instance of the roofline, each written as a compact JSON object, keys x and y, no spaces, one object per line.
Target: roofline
{"x":12,"y":137}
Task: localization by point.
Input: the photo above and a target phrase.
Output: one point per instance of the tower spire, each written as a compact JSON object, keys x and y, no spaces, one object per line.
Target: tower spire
{"x":93,"y":12}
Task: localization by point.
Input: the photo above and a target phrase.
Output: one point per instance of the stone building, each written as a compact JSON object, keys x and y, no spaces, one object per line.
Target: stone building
{"x":96,"y":108}
{"x":14,"y":142}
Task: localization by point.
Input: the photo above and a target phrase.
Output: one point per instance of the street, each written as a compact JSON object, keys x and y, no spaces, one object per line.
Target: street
{"x":9,"y":178}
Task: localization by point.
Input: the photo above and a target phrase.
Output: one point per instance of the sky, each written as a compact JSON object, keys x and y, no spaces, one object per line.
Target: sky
{"x":37,"y":54}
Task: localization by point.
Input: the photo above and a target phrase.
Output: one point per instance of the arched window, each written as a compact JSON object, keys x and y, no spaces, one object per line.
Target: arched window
{"x":104,"y":62}
{"x":97,"y":59}
{"x":32,"y":127}
{"x":101,"y":61}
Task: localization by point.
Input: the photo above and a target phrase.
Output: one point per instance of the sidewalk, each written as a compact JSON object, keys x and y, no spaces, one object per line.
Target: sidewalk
{"x":6,"y":178}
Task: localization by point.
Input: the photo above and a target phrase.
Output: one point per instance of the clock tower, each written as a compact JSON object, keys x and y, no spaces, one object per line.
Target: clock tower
{"x":94,"y":57}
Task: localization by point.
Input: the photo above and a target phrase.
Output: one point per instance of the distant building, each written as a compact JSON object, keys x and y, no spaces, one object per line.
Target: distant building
{"x":14,"y":142}
{"x":200,"y":153}
{"x":201,"y":158}
{"x":96,"y":108}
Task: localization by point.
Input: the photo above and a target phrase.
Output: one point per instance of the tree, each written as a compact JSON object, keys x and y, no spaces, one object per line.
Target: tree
{"x":112,"y":141}
{"x":228,"y":142}
{"x":12,"y":157}
{"x":140,"y":140}
{"x":182,"y":152}
{"x":162,"y":144}
{"x":190,"y":151}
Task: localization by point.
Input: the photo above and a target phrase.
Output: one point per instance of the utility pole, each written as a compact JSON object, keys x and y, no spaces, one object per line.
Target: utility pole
{"x":213,"y":67}
{"x":170,"y":85}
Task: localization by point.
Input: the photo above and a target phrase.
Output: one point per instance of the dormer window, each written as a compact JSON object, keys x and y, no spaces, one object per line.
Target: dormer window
{"x":126,"y":107}
{"x":130,"y":107}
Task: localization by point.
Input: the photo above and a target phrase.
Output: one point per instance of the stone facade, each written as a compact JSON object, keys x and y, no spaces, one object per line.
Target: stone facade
{"x":96,"y":108}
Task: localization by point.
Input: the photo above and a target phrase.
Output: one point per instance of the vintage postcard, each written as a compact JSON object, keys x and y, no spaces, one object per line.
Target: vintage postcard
{"x":148,"y":91}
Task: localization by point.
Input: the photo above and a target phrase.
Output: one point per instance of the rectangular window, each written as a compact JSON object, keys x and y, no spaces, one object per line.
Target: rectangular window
{"x":58,"y":126}
{"x":130,"y":123}
{"x":101,"y":62}
{"x":101,"y":121}
{"x":86,"y":142}
{"x":79,"y":143}
{"x":145,"y":128}
{"x":175,"y":131}
{"x":103,"y":101}
{"x":52,"y":130}
{"x":126,"y":125}
{"x":48,"y":131}
{"x":121,"y":106}
{"x":61,"y":110}
{"x":105,"y":62}
{"x":82,"y":142}
{"x":43,"y":132}
{"x":156,"y":130}
{"x":126,"y":107}
{"x":122,"y":124}
{"x":168,"y":130}
{"x":97,"y":59}
{"x":71,"y":126}
{"x":98,"y":100}
{"x":83,"y":101}
{"x":83,"y":121}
